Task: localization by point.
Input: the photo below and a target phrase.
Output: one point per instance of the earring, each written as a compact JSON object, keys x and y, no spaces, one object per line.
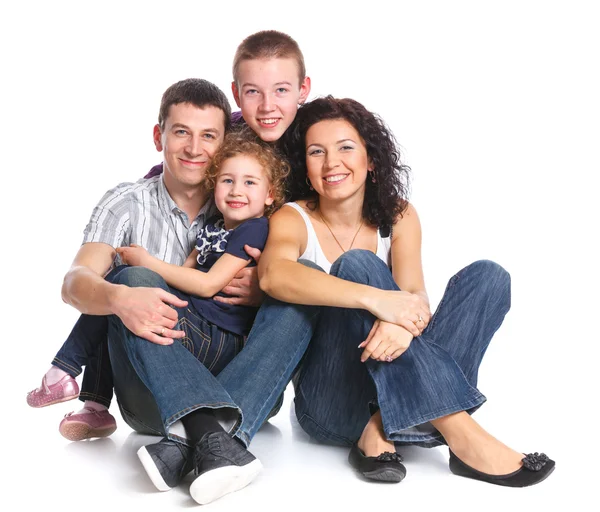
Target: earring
{"x":372,"y":172}
{"x":308,"y":183}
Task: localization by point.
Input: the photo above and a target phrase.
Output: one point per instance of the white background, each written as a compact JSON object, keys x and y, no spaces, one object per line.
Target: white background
{"x":496,"y":105}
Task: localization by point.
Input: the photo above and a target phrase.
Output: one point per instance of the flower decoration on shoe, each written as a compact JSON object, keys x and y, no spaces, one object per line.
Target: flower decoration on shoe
{"x":389,"y":457}
{"x":535,"y":461}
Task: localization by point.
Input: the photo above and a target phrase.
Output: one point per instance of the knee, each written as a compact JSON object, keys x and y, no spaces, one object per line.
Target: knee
{"x":356,"y":265}
{"x":138,"y":276}
{"x":493,"y":277}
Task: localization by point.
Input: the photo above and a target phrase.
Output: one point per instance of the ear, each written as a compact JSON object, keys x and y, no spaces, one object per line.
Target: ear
{"x":236,"y":94}
{"x":157,"y":136}
{"x":269,"y":200}
{"x":304,"y":90}
{"x":370,"y":166}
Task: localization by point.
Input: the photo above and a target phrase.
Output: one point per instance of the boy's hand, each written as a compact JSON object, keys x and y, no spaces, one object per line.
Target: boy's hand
{"x":134,"y":255}
{"x":243,"y":288}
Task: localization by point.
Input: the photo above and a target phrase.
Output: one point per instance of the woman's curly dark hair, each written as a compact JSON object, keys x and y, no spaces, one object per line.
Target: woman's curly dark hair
{"x":387,"y":198}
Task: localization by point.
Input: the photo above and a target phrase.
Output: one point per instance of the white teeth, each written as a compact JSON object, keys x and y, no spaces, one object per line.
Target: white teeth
{"x":268,"y":121}
{"x":333,"y":179}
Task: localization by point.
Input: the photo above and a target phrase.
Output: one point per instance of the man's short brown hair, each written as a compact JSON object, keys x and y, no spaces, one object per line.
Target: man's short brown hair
{"x":268,"y":44}
{"x":198,"y":92}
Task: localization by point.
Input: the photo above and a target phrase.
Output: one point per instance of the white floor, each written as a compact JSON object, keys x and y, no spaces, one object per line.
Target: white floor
{"x":298,"y":474}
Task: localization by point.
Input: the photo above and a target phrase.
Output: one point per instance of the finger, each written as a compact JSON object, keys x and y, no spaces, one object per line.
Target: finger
{"x":371,"y":333}
{"x":380,"y":351}
{"x":370,"y":348}
{"x":155,"y":338}
{"x":253,"y":252}
{"x":410,"y":327}
{"x":171,"y":334}
{"x":170,"y":315}
{"x":236,"y":291}
{"x":228,"y":300}
{"x":397,"y":353}
{"x":169,"y":298}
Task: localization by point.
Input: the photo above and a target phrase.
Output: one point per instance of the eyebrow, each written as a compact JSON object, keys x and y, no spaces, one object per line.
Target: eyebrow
{"x":247,"y":84}
{"x":205,"y":130}
{"x":253,"y":176}
{"x":337,"y":142}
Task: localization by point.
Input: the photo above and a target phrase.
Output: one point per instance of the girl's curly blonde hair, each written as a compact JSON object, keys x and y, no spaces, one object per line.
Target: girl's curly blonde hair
{"x":244,"y":141}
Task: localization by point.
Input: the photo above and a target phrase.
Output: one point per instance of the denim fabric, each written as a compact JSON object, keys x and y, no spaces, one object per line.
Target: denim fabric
{"x":156,"y":385}
{"x":435,"y":377}
{"x":87,"y":345}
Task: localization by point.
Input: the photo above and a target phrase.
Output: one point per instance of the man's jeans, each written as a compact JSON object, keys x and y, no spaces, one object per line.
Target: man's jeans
{"x":87,"y":345}
{"x":436,"y":376}
{"x":156,"y":385}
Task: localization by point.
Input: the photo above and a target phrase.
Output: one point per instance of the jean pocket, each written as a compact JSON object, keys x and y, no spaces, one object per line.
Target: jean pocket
{"x":197,"y":337}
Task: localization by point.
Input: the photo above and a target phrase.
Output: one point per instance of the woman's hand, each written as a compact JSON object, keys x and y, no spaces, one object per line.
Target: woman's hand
{"x":405,"y":309}
{"x":135,"y":255}
{"x":385,"y":342}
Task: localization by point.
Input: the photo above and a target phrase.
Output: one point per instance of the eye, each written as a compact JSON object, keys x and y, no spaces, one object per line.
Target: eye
{"x":226,"y":180}
{"x":209,"y":136}
{"x":281,"y":90}
{"x":181,"y":132}
{"x":249,"y":182}
{"x":315,"y":152}
{"x":344,"y":148}
{"x":250,"y":92}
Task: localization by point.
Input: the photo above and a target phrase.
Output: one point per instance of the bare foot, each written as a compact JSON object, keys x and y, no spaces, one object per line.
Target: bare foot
{"x":372,"y":442}
{"x":476,"y":447}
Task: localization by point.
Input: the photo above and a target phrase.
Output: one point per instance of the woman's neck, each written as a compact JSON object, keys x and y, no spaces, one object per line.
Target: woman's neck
{"x":347,"y":213}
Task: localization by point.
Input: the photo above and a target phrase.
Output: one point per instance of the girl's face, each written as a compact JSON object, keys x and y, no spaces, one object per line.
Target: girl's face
{"x":336,"y":159}
{"x":242,"y":190}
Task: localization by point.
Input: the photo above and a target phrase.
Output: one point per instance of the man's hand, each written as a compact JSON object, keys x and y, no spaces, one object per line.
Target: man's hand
{"x":147,"y":313}
{"x":243,"y":288}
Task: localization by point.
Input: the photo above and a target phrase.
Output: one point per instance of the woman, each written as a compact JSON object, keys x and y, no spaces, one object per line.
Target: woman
{"x":413,"y":377}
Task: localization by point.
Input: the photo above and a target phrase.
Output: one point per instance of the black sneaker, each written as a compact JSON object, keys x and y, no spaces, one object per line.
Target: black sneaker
{"x":387,"y":467}
{"x":223,"y":465}
{"x":166,"y":463}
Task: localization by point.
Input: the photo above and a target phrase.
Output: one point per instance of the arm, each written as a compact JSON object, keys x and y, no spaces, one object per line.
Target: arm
{"x":283,"y":278}
{"x":387,"y":339}
{"x":144,"y":311}
{"x":186,"y":279}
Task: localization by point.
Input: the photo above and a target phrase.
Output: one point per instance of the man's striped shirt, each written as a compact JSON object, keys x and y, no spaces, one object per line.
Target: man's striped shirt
{"x":143,"y":213}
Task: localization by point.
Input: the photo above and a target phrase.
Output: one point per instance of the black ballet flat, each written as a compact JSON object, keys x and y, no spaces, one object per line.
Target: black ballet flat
{"x":536,"y":467}
{"x":386,"y":467}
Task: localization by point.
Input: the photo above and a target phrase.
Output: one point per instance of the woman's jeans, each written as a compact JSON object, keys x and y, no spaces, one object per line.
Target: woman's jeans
{"x":436,"y":376}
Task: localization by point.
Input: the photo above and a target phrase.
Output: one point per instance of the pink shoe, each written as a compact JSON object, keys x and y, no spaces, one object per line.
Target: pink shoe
{"x":61,"y":391}
{"x":86,"y":424}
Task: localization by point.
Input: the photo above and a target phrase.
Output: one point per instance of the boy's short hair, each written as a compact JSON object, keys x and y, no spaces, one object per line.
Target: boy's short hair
{"x":198,"y":92}
{"x":268,"y":44}
{"x":244,"y":141}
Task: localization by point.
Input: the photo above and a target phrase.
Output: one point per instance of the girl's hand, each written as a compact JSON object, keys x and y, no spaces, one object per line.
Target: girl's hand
{"x":404,"y":309}
{"x":385,"y":342}
{"x":134,"y":255}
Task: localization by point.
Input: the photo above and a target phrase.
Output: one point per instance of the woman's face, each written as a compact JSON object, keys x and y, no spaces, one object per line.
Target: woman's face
{"x":336,"y":159}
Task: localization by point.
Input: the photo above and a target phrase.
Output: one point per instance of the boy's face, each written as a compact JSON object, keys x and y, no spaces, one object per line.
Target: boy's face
{"x":268,"y":92}
{"x":189,"y":139}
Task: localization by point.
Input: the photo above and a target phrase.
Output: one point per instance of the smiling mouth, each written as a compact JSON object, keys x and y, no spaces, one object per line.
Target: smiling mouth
{"x":235,"y":204}
{"x":189,"y":163}
{"x":269,"y":122}
{"x":332,"y":180}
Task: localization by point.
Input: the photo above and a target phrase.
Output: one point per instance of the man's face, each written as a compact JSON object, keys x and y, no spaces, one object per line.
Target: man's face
{"x":189,"y":139}
{"x":268,"y":92}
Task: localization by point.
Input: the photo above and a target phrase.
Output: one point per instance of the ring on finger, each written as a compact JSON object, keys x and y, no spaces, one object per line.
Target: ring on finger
{"x":162,"y":331}
{"x":420,"y":319}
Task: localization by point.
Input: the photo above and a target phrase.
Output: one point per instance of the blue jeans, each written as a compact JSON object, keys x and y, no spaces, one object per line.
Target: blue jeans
{"x":157,"y":385}
{"x":87,"y":345}
{"x":437,"y":375}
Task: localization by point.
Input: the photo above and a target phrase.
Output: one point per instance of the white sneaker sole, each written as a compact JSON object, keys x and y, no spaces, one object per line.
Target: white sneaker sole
{"x":152,"y":470}
{"x":214,"y":484}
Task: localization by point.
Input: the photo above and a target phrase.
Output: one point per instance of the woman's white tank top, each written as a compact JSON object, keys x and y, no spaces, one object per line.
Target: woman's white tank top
{"x":314,"y":253}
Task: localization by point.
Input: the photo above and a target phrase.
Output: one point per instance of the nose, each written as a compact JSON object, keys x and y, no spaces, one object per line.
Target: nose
{"x":236,"y":189}
{"x":195,"y":147}
{"x":266,"y":104}
{"x":331,"y":162}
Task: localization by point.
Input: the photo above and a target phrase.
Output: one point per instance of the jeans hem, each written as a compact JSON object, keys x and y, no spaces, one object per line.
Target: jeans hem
{"x":66,"y":367}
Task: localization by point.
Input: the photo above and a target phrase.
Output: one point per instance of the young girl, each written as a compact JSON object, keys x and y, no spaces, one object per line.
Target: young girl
{"x":247,"y":179}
